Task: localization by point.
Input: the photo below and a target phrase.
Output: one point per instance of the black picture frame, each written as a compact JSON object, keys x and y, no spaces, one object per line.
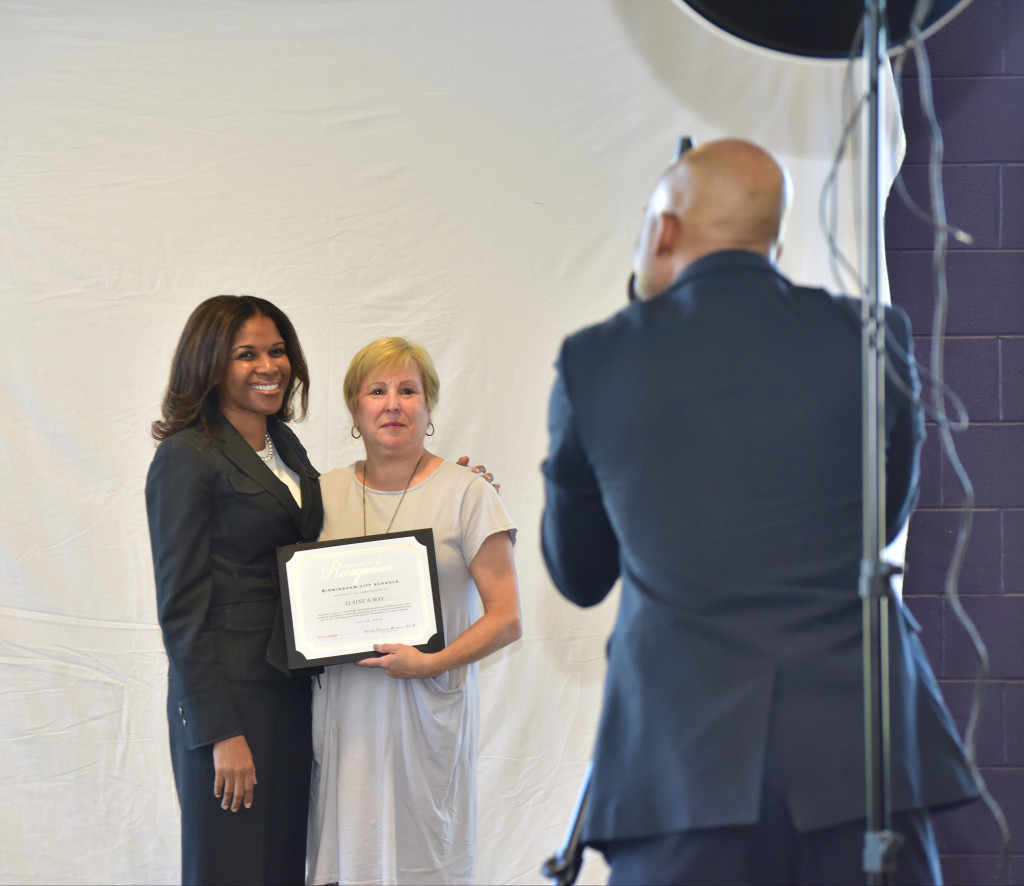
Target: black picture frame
{"x":293,"y":607}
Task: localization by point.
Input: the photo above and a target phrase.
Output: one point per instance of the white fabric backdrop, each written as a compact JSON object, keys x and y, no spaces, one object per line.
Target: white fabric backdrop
{"x":470,"y":173}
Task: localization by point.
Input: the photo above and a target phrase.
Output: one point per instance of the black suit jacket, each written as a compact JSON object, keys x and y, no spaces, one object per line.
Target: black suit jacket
{"x":216,"y":518}
{"x":706,"y":447}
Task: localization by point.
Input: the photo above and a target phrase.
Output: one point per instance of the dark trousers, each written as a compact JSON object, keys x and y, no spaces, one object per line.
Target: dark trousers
{"x":264,"y":845}
{"x":771,"y":852}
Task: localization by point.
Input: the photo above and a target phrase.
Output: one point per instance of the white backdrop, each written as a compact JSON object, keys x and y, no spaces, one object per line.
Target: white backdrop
{"x":469,"y":173}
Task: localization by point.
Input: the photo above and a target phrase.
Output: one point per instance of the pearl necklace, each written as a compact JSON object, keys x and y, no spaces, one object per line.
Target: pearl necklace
{"x":269,"y":448}
{"x":407,"y":483}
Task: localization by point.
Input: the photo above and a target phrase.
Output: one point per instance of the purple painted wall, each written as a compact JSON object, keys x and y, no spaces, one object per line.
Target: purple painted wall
{"x":977,"y":63}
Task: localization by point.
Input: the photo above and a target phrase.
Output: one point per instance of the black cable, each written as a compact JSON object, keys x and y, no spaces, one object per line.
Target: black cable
{"x":942,"y":232}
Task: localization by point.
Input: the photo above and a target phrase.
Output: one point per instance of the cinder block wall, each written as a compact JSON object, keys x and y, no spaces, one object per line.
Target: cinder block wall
{"x":977,"y":66}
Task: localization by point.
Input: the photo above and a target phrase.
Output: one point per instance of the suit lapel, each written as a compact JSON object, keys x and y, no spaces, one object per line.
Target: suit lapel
{"x":309,"y":483}
{"x":244,"y":457}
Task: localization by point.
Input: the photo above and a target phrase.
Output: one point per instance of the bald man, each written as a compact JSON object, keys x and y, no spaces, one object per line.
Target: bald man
{"x":706,"y":449}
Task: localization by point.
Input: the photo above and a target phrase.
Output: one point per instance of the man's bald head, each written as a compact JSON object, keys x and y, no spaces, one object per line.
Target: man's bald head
{"x":726,"y":194}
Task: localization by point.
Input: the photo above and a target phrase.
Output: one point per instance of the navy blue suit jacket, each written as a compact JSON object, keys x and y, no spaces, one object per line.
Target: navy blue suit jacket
{"x":706,"y":448}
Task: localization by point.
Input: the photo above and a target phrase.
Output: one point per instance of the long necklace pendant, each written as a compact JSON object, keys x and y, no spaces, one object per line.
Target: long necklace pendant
{"x":408,"y":483}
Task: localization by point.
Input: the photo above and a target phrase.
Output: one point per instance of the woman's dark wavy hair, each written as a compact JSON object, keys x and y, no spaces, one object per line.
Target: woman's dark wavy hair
{"x":202,"y":356}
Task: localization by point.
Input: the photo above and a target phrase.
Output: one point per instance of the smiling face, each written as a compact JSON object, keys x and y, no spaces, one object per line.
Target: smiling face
{"x":391,"y":410}
{"x":257,"y":373}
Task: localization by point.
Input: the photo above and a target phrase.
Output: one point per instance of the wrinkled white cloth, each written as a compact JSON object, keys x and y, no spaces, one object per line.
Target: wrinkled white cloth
{"x":393,"y":795}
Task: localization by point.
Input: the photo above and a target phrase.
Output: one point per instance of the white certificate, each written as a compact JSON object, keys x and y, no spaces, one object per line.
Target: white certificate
{"x":341,"y":597}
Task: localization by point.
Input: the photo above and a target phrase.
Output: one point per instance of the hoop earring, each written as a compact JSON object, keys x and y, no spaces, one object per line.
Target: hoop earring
{"x":430,"y":433}
{"x":355,"y":433}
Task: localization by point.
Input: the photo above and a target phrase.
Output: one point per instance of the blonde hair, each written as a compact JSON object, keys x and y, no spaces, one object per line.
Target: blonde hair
{"x":390,"y":352}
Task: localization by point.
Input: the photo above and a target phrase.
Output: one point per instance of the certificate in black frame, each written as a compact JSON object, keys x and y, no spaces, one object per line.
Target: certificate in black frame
{"x":293,"y":608}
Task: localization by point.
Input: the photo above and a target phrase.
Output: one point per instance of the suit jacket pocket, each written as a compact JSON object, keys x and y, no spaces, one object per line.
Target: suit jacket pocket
{"x":245,"y":485}
{"x":242,"y":634}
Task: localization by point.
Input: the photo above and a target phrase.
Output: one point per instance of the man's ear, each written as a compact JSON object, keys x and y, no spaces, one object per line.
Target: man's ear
{"x":669,"y":228}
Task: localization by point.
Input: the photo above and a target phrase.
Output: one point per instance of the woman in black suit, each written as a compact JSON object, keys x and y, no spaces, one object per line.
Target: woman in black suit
{"x":229,"y":483}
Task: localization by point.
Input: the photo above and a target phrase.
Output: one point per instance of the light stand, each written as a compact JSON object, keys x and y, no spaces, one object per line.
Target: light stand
{"x":880,"y":843}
